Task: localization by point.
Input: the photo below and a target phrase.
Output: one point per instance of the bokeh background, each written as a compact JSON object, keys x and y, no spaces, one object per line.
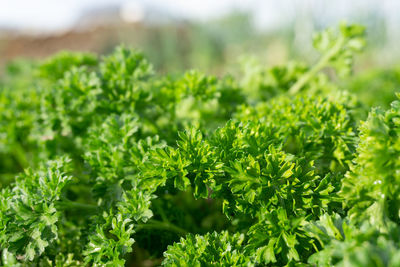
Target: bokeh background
{"x":243,"y":38}
{"x":216,"y":37}
{"x":208,"y":35}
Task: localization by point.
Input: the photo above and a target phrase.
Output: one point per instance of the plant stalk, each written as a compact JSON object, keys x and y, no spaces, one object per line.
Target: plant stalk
{"x":158,"y":225}
{"x":322,"y":63}
{"x":72,"y":205}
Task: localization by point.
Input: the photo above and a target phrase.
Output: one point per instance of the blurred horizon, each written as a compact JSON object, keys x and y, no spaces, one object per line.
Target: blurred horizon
{"x":193,"y":34}
{"x":51,"y":16}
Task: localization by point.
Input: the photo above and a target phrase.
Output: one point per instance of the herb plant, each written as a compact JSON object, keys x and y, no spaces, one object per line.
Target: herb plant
{"x":106,"y":163}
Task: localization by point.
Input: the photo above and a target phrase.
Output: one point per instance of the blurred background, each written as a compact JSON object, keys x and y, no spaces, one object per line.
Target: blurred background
{"x":208,"y":35}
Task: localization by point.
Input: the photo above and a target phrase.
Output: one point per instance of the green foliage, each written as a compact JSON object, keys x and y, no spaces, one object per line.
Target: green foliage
{"x":278,"y":239}
{"x":212,"y":249}
{"x":346,"y":244}
{"x":375,"y":87}
{"x":124,"y":166}
{"x":124,"y":75}
{"x":30,"y":212}
{"x":55,"y":67}
{"x":110,"y":242}
{"x":371,"y":189}
{"x":262,"y":83}
{"x":318,"y":128}
{"x":338,"y":47}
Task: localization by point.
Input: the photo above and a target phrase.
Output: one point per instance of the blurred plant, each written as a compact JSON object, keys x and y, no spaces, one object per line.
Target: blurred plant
{"x":268,"y":170}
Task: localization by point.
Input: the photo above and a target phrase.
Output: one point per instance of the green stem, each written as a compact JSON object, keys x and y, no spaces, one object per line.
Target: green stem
{"x":20,"y":155}
{"x":161,"y":212}
{"x":322,"y":63}
{"x":158,"y":225}
{"x":72,"y":205}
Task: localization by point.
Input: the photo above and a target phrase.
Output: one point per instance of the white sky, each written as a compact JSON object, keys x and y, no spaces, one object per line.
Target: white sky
{"x":60,"y":14}
{"x":47,"y":14}
{"x":53,"y":14}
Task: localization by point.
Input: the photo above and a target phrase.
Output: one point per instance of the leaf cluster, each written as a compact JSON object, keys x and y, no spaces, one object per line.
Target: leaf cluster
{"x":107,"y":163}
